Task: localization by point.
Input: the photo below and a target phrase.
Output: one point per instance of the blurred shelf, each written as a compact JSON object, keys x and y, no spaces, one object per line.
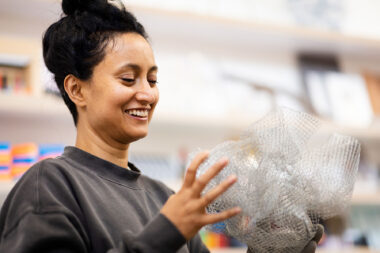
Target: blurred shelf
{"x":228,"y":122}
{"x":48,"y":105}
{"x":14,"y":60}
{"x":246,"y":34}
{"x":51,"y":106}
{"x":192,"y":27}
{"x":25,"y":104}
{"x":366,"y":199}
{"x":371,"y":132}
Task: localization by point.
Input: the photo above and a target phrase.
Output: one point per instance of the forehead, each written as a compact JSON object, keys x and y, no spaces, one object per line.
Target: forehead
{"x":129,"y":48}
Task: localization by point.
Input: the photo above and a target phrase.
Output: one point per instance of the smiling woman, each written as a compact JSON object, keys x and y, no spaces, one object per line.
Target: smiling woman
{"x":116,"y":104}
{"x":91,"y":199}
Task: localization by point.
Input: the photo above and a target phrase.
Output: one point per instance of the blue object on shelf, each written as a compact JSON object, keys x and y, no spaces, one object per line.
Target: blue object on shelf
{"x":47,"y":149}
{"x":5,"y":146}
{"x":24,"y":159}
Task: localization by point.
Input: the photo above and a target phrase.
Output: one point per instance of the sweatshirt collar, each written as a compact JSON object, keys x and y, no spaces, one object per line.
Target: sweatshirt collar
{"x":101,"y":167}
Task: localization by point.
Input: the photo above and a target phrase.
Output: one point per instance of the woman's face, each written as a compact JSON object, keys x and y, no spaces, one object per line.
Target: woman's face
{"x":122,"y":93}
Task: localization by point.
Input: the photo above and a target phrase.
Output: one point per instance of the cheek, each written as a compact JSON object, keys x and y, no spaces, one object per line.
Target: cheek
{"x":120,"y":95}
{"x":104,"y":102}
{"x":156,"y":95}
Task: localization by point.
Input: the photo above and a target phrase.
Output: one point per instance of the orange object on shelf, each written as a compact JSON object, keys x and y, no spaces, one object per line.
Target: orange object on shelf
{"x":214,"y":240}
{"x":5,"y":175}
{"x":373,"y":87}
{"x":5,"y":158}
{"x":25,"y":149}
{"x":18,"y":170}
{"x":23,"y":157}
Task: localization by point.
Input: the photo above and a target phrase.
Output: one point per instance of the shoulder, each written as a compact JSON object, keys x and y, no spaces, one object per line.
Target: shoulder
{"x":44,"y":187}
{"x":47,"y":169}
{"x":41,"y":179}
{"x":41,"y":174}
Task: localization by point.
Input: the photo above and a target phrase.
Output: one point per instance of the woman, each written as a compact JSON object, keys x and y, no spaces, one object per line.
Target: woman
{"x":91,"y":199}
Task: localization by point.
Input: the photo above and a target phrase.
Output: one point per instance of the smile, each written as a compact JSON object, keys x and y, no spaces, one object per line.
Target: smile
{"x":138,"y":113}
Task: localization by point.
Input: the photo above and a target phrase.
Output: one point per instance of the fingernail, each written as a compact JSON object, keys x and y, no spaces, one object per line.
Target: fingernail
{"x":237,"y":209}
{"x":232,"y":178}
{"x":224,"y":160}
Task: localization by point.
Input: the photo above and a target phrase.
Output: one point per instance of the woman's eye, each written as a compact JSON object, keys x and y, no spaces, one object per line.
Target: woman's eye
{"x":153,"y":82}
{"x":128,"y":80}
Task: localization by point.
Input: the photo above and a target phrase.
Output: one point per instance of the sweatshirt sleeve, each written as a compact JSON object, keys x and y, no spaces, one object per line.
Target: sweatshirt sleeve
{"x":54,"y":232}
{"x":43,"y":232}
{"x":159,"y":235}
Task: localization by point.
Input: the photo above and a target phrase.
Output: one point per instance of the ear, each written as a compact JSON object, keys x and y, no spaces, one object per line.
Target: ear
{"x":75,"y":90}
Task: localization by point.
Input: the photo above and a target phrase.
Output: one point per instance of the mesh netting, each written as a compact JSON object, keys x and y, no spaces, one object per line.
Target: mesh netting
{"x":289,"y":177}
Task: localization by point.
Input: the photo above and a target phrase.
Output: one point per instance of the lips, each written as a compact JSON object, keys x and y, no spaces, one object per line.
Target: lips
{"x":141,"y":113}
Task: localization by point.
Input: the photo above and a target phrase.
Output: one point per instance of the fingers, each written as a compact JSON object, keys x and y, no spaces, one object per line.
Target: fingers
{"x":310,"y":247}
{"x":214,"y":218}
{"x":202,"y":181}
{"x":218,"y":190}
{"x":192,"y":170}
{"x":318,"y":235}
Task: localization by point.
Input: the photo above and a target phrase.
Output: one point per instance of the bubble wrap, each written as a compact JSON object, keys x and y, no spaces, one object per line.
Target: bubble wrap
{"x":289,"y":177}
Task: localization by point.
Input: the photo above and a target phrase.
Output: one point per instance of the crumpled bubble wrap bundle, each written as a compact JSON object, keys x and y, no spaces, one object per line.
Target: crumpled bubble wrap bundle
{"x":289,"y":177}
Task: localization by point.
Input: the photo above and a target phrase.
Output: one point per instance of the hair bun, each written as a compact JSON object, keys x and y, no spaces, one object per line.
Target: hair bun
{"x":70,"y":6}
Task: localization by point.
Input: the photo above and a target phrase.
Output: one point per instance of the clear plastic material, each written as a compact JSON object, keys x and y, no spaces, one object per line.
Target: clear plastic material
{"x":290,"y":175}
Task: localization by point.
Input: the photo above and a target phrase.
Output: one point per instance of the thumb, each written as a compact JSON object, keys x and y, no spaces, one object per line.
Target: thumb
{"x":319,"y":232}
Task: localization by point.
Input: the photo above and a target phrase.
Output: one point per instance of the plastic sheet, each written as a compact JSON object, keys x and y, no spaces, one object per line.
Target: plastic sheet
{"x":290,"y":175}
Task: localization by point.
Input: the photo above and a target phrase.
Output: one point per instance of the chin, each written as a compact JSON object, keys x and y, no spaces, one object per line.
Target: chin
{"x":136,"y":136}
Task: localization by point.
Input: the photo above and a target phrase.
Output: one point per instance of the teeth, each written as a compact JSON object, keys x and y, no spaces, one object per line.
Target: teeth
{"x":140,"y":113}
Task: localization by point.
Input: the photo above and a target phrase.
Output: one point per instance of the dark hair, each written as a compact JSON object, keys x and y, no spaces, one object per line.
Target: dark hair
{"x":76,"y":43}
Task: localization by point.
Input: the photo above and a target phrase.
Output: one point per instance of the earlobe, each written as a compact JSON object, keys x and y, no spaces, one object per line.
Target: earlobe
{"x":74,"y":89}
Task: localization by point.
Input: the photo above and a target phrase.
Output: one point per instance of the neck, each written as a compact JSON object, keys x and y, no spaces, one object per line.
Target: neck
{"x":88,"y":140}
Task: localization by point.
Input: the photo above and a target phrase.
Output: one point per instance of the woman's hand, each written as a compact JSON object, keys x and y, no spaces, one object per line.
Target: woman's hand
{"x":186,"y":209}
{"x":312,"y":245}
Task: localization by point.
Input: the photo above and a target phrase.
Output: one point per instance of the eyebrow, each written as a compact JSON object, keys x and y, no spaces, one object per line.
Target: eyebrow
{"x":137,"y":67}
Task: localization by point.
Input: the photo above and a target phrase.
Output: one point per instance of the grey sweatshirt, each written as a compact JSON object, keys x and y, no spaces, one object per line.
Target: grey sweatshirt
{"x":80,"y":203}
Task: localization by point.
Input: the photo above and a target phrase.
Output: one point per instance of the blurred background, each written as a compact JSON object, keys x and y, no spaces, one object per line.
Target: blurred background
{"x":223,"y":65}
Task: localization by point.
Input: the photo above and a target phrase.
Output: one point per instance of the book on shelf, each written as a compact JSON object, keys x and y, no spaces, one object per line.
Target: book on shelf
{"x":13,"y":80}
{"x":373,"y":87}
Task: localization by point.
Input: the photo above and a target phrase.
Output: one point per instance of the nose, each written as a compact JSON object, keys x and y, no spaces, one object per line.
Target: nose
{"x":147,"y":94}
